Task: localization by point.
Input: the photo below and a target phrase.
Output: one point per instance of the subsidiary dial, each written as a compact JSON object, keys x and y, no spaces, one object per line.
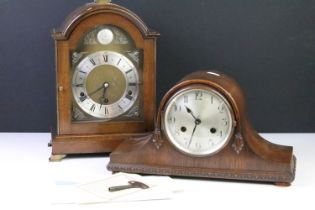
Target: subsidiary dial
{"x":105,"y":36}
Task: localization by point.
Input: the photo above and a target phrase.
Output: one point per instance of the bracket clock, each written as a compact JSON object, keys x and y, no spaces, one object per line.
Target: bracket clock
{"x":105,"y":64}
{"x":202,"y":130}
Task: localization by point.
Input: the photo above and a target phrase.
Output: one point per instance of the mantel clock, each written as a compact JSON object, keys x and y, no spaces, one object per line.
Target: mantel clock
{"x":202,"y":130}
{"x":105,"y":64}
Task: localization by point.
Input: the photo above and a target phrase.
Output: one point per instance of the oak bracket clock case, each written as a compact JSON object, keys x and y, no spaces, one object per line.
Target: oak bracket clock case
{"x":202,"y":130}
{"x":105,"y":66}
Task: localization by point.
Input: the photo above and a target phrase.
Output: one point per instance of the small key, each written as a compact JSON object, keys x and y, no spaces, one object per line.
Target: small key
{"x":131,"y":184}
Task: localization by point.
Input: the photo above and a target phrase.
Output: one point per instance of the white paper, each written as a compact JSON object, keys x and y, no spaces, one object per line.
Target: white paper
{"x":160,"y":188}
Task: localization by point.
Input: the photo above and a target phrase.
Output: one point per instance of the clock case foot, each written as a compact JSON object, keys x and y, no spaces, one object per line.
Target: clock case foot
{"x":57,"y":158}
{"x":247,"y":156}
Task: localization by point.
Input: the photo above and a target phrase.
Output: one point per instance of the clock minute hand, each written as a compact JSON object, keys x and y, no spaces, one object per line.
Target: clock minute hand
{"x":95,"y":91}
{"x":192,"y":135}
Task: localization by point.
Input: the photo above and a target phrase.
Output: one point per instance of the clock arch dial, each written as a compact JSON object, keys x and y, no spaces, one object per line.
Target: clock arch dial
{"x":105,"y":84}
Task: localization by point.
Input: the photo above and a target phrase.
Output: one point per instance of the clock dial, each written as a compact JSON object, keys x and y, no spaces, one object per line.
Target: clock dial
{"x":105,"y":84}
{"x":105,"y":36}
{"x":198,"y":121}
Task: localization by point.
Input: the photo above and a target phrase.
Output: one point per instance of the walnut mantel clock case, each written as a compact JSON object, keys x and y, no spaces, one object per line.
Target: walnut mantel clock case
{"x":202,"y":130}
{"x":105,"y":66}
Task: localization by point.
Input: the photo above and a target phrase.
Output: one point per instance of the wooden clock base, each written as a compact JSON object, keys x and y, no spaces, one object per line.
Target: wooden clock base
{"x":63,"y":145}
{"x":144,"y":156}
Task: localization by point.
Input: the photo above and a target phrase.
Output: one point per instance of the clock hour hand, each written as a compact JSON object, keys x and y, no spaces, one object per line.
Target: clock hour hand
{"x":197,"y":122}
{"x":190,"y":112}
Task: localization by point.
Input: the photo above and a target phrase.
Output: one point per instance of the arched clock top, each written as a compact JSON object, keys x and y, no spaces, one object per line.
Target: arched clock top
{"x":90,"y":9}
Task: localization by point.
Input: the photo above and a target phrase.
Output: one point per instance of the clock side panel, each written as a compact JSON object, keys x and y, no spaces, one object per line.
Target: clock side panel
{"x":149,"y":84}
{"x":62,"y":90}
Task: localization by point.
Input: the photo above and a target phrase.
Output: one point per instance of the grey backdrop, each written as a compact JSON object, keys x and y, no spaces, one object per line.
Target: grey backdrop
{"x":267,"y":45}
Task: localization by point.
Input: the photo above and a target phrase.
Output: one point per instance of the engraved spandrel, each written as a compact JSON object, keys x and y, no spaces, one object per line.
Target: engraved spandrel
{"x":76,"y":57}
{"x":120,"y":37}
{"x":90,"y":38}
{"x":135,"y":55}
{"x":78,"y":115}
{"x":238,"y":143}
{"x":133,"y":112}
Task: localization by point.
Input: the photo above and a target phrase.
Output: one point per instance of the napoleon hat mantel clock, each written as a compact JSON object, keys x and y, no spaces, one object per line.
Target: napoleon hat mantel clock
{"x":105,"y":63}
{"x":202,"y":131}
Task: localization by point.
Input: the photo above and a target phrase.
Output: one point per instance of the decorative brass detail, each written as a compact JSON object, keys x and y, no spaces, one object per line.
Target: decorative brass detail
{"x":76,"y":57}
{"x":157,"y":140}
{"x":56,"y":158}
{"x":60,"y":88}
{"x":238,"y":143}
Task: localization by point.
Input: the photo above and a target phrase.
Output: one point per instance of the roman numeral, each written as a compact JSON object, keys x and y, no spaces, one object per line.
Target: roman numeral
{"x":78,"y":85}
{"x":105,"y":58}
{"x":225,"y":122}
{"x":127,"y":72}
{"x":172,"y":120}
{"x":92,"y":61}
{"x":118,"y":62}
{"x":106,"y":111}
{"x":83,"y":98}
{"x":83,"y":72}
{"x":120,"y":107}
{"x":177,"y":108}
{"x":185,"y":99}
{"x":198,"y":96}
{"x":92,"y":108}
{"x":132,"y":84}
{"x":129,"y":97}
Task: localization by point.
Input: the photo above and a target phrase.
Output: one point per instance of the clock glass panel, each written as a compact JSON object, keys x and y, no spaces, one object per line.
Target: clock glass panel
{"x":107,"y":71}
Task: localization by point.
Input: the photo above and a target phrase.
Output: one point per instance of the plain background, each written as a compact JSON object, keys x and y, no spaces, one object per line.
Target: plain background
{"x":268,"y":46}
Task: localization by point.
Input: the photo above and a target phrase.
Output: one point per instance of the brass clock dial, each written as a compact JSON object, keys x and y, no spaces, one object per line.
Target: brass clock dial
{"x":198,"y":121}
{"x":105,"y":84}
